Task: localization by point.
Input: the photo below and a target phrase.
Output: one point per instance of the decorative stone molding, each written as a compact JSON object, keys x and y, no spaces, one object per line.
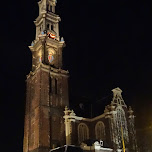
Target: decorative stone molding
{"x":68,"y":128}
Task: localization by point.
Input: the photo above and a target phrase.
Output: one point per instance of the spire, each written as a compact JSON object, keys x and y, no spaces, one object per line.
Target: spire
{"x":47,"y":6}
{"x":47,"y":22}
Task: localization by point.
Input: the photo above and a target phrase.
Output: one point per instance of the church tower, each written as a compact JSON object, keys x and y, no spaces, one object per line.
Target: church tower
{"x":47,"y":85}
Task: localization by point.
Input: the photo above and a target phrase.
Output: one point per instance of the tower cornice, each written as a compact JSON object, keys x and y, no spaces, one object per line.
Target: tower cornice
{"x":50,"y":42}
{"x":48,"y":68}
{"x":49,"y":16}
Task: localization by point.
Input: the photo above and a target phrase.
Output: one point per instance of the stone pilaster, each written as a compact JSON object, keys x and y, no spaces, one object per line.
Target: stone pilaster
{"x":132,"y":132}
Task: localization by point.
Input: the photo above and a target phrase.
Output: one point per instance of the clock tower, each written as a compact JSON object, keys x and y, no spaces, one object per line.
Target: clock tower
{"x":47,"y":85}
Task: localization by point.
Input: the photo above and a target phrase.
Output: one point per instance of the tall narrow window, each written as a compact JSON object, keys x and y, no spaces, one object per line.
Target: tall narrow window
{"x":50,"y":84}
{"x":56,"y":87}
{"x":50,"y":8}
{"x":52,"y":27}
{"x":48,"y":26}
{"x":100,"y":130}
{"x":83,"y":132}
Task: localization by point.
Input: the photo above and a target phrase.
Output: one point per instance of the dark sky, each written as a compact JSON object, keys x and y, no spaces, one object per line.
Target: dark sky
{"x":108,"y":45}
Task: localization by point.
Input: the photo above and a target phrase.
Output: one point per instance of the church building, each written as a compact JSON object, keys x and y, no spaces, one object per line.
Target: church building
{"x":50,"y":125}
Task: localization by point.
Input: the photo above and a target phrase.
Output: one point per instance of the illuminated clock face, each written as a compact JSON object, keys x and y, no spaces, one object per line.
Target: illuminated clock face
{"x":51,"y":54}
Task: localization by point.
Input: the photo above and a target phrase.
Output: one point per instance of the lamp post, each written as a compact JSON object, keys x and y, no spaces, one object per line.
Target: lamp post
{"x":123,"y":143}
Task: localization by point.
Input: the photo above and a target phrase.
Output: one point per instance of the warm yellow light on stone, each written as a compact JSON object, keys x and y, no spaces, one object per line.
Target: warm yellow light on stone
{"x":40,"y":54}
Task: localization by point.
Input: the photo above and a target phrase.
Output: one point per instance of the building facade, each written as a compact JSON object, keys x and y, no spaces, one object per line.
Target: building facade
{"x":48,"y":124}
{"x":114,"y":126}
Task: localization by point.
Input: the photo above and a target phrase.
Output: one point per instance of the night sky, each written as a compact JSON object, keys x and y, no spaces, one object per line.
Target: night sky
{"x":108,"y":45}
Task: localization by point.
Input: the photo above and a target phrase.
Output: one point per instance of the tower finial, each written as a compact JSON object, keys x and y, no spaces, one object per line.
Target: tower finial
{"x":47,"y":6}
{"x":117,"y":97}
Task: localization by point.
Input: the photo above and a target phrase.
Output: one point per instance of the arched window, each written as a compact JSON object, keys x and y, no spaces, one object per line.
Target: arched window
{"x":56,"y":86}
{"x":100,"y":130}
{"x":50,"y":8}
{"x":83,"y":132}
{"x":48,"y":26}
{"x":52,"y":27}
{"x":121,"y":124}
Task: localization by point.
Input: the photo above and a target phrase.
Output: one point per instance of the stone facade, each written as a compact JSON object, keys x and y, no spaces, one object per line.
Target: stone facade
{"x":116,"y":121}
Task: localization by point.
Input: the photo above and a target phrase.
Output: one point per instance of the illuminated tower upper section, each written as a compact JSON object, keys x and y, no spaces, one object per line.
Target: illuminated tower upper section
{"x":47,"y":19}
{"x":47,"y":46}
